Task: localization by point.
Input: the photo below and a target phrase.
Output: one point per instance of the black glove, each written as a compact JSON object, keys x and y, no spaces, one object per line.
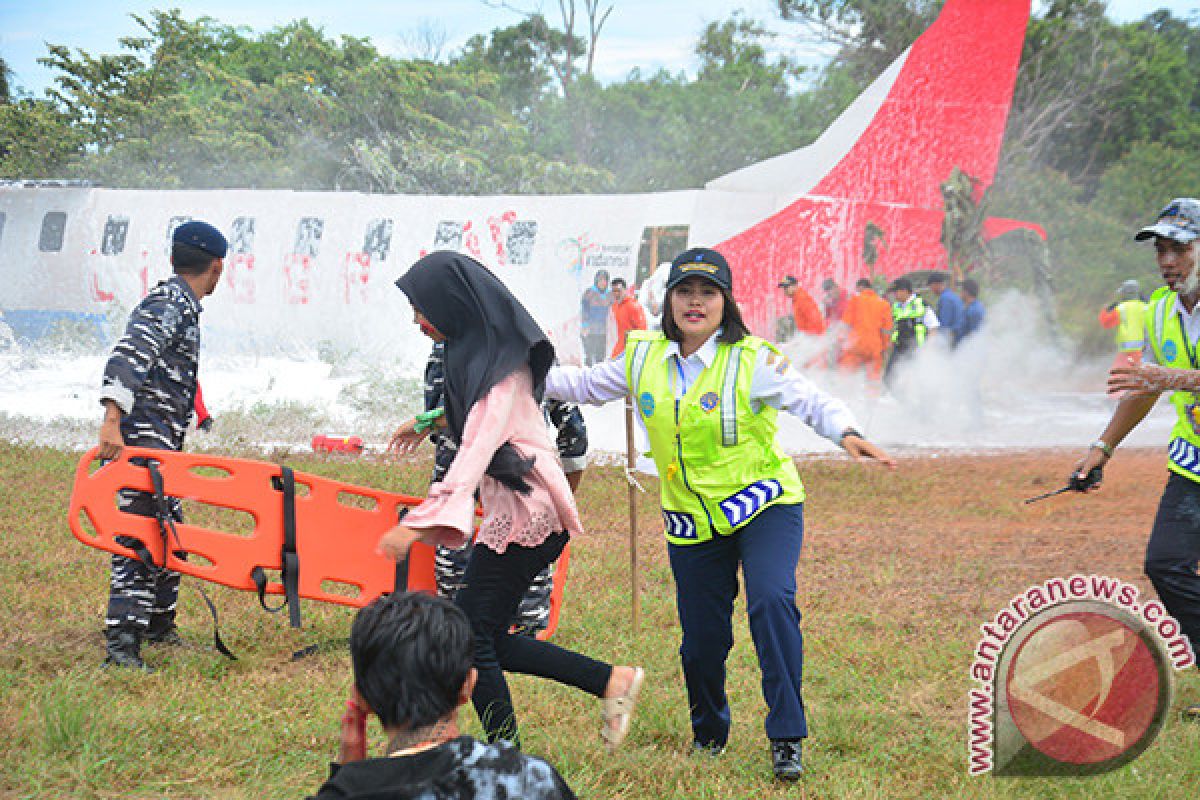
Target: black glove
{"x":1093,"y":478}
{"x":205,"y":425}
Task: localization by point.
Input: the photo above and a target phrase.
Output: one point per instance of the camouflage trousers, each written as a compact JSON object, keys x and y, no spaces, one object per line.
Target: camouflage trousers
{"x":533,"y":615}
{"x":140,"y":597}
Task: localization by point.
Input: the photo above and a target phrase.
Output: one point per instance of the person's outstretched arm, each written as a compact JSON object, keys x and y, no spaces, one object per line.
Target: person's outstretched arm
{"x":593,"y":385}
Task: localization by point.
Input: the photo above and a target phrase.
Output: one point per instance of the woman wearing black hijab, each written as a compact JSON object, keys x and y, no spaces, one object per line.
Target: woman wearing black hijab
{"x":496,"y":362}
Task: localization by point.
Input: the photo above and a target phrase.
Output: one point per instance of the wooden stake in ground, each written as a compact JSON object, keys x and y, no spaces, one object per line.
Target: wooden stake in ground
{"x":630,"y":463}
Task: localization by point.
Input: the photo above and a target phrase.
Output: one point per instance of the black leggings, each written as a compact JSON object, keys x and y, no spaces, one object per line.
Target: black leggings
{"x":495,"y":583}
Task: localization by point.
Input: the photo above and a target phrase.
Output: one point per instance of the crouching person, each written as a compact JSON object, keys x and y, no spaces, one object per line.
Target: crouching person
{"x":412,"y":668}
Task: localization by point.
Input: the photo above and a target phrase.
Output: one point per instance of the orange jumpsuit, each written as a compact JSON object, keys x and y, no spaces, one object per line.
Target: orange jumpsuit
{"x":869,"y":319}
{"x":629,"y":316}
{"x":806,"y":313}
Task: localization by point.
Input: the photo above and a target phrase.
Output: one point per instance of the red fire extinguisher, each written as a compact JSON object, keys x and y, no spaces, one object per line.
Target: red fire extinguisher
{"x":337,"y":444}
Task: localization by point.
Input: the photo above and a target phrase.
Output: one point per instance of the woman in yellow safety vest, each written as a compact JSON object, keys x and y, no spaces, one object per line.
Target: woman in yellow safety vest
{"x":708,"y":395}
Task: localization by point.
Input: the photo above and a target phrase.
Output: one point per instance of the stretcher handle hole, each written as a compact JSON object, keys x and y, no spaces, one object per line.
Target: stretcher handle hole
{"x":301,"y":489}
{"x":86,"y":526}
{"x":356,"y":500}
{"x":209,"y":471}
{"x":222,"y":519}
{"x":341,"y":588}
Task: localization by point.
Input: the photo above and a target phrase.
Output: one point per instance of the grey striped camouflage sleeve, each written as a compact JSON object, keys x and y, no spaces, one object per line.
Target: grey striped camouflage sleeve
{"x":151,"y":327}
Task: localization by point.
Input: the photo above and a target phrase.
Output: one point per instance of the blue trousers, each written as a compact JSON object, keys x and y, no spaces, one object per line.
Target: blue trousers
{"x":1174,"y":552}
{"x":706,"y":583}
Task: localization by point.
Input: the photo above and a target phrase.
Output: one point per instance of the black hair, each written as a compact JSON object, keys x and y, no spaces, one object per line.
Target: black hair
{"x":936,"y":277}
{"x":971,"y":286}
{"x":733,"y":327}
{"x":411,"y":654}
{"x":862,"y":283}
{"x":617,"y":281}
{"x":189,"y":260}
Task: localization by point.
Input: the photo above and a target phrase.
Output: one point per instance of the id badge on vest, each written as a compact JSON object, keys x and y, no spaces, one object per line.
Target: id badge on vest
{"x":1192,"y":411}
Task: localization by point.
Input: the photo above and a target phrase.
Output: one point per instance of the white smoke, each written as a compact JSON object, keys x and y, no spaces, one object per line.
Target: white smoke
{"x":1014,"y":386}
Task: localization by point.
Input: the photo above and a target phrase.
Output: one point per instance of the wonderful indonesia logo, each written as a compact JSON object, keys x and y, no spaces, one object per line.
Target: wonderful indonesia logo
{"x":1075,"y":676}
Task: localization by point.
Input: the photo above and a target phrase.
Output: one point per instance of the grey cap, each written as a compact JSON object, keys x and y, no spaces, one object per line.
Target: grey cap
{"x":1179,"y":221}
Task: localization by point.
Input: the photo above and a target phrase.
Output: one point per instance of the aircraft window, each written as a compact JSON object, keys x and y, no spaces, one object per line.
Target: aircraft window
{"x":449,"y":236}
{"x":54,"y":225}
{"x":521,"y":237}
{"x":171,"y":226}
{"x":116,"y":229}
{"x":378,"y":239}
{"x":308,"y":236}
{"x":242,"y":235}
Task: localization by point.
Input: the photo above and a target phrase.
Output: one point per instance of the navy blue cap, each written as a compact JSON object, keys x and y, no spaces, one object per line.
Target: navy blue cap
{"x":704,"y":262}
{"x":201,"y":236}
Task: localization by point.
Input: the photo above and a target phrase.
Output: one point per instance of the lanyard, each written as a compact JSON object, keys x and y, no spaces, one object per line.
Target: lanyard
{"x":682,"y":378}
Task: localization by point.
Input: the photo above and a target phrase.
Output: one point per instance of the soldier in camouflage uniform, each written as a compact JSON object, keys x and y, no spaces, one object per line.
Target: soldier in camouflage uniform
{"x":533,"y":615}
{"x":148,"y":393}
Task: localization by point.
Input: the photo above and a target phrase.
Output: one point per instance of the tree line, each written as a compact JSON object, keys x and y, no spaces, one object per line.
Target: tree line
{"x":1104,"y":126}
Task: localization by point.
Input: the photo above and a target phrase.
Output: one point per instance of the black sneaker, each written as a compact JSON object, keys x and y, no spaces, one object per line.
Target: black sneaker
{"x":712,"y":749}
{"x":785,"y":757}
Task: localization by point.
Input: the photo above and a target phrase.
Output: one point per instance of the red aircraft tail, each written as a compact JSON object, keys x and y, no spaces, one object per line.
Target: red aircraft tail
{"x":947,"y":107}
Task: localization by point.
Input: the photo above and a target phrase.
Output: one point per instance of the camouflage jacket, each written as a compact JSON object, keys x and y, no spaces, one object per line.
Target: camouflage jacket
{"x":151,"y":374}
{"x":565,"y":417}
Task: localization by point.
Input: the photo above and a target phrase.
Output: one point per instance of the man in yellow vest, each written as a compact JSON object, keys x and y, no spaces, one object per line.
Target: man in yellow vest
{"x":912,"y":321}
{"x":1169,"y":364}
{"x":1126,"y":314}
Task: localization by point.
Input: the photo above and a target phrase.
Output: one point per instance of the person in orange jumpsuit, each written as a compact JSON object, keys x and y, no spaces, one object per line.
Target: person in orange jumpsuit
{"x":805,"y":311}
{"x":868,"y":318}
{"x":627,"y":312}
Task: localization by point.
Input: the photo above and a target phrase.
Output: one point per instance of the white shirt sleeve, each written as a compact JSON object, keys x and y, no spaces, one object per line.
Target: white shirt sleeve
{"x":780,"y":386}
{"x":930,"y":319}
{"x":593,"y":385}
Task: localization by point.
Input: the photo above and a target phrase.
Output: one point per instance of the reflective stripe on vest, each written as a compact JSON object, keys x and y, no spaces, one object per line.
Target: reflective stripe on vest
{"x":743,"y":505}
{"x":1186,"y":456}
{"x":729,"y":432}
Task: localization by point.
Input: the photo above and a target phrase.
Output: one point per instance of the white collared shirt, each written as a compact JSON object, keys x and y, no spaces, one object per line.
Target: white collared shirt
{"x":783,"y":389}
{"x":1191,"y":329}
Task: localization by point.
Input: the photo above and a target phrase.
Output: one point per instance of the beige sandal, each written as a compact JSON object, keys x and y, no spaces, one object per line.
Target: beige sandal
{"x":620,"y":710}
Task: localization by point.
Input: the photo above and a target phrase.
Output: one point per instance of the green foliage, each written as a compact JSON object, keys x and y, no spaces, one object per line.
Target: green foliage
{"x":870,"y":34}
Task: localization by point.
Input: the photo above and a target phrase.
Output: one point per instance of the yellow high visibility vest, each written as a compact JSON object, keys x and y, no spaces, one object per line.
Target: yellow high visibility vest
{"x":718,"y":462}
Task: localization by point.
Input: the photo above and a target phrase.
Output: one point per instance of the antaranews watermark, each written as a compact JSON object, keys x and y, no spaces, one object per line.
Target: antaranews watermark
{"x":1075,"y":677}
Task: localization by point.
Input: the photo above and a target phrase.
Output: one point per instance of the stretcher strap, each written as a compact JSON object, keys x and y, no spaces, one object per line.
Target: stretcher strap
{"x":285,"y":482}
{"x":166,"y":522}
{"x":401,"y":582}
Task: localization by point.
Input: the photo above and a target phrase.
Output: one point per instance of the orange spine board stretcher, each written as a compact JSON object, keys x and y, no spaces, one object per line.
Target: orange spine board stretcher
{"x":338,"y":526}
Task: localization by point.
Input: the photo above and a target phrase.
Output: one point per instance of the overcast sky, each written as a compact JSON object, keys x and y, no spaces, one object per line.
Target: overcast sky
{"x":640,"y":33}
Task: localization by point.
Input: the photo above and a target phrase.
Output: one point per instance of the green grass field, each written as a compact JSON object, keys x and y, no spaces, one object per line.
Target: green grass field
{"x":899,"y":571}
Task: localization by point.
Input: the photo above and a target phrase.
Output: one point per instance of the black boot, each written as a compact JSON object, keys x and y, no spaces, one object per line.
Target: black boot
{"x":785,"y":758}
{"x":123,"y":645}
{"x":162,"y":630}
